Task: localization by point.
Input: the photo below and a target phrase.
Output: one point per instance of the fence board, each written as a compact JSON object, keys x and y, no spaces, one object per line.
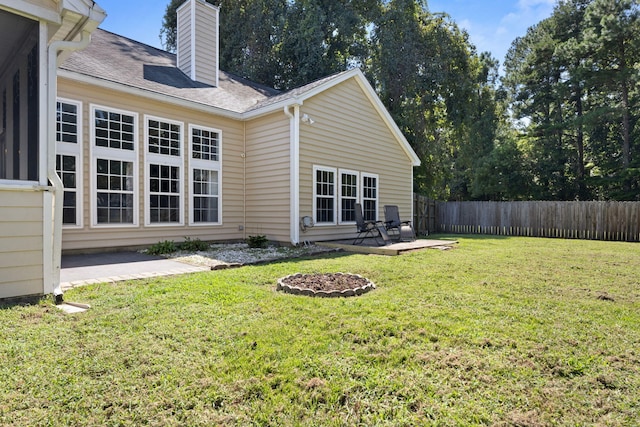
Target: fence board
{"x":571,"y":220}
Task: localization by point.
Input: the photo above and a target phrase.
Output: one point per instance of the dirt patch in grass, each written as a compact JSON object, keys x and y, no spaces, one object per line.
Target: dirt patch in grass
{"x":325,"y":285}
{"x":326,"y":282}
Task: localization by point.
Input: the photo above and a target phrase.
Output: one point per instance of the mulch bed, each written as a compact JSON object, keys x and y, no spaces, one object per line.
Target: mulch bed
{"x":325,"y":285}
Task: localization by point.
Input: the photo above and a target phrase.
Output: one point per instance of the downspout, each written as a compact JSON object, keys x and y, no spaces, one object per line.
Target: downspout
{"x":244,"y":181}
{"x":294,"y":159}
{"x":52,"y":175}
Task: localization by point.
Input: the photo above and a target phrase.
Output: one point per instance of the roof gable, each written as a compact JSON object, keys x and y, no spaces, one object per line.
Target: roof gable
{"x":299,"y":95}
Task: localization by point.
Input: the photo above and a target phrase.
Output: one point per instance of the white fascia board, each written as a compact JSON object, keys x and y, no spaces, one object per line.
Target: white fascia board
{"x":382,"y":110}
{"x":278,"y":106}
{"x":87,"y":8}
{"x":156,"y":96}
{"x":331,"y":83}
{"x":299,"y":99}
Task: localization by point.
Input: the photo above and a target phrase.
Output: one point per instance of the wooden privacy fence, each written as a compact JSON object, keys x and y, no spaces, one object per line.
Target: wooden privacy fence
{"x":424,"y":214}
{"x":574,"y":220}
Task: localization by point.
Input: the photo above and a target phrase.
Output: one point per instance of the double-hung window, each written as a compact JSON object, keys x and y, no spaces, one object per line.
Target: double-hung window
{"x":369,"y":196}
{"x":348,"y":196}
{"x":324,"y":195}
{"x":204,"y":171}
{"x":163,"y":171}
{"x":68,"y":159}
{"x":114,"y":167}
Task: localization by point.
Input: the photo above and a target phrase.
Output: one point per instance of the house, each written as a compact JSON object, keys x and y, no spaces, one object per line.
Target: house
{"x":153,"y":146}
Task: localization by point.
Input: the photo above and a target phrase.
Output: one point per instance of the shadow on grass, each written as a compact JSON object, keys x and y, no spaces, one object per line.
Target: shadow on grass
{"x":450,"y":236}
{"x":26,"y":301}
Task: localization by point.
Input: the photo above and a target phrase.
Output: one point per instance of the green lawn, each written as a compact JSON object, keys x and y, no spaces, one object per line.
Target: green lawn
{"x":498,"y":331}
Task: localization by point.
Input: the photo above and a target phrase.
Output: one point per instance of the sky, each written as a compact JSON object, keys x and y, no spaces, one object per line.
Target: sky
{"x":492,"y":24}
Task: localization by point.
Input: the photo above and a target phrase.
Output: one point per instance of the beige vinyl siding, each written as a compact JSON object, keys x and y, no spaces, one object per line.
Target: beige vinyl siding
{"x":197,"y":42}
{"x":268,"y":177}
{"x":21,"y":243}
{"x":349,"y":133}
{"x":231,"y":198}
{"x":184,"y":39}
{"x":206,"y":59}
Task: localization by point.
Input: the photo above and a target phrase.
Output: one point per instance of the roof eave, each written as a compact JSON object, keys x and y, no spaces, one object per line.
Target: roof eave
{"x":87,"y":8}
{"x":149,"y":94}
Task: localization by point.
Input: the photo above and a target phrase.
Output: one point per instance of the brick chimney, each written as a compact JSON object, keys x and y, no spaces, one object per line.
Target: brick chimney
{"x":198,"y":41}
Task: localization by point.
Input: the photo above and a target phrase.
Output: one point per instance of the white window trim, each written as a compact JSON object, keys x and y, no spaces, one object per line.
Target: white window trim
{"x":315,"y":195}
{"x":364,"y":175}
{"x":69,"y":149}
{"x":341,"y":197}
{"x":112,"y":154}
{"x":164,"y":160}
{"x":213,"y":165}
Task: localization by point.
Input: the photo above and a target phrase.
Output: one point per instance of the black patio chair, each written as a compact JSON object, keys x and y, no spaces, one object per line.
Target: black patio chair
{"x":374,"y":229}
{"x":392,"y":221}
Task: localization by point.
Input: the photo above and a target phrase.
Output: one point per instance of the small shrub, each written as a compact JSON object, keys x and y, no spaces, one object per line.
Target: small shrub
{"x":193,"y":245}
{"x":164,"y":247}
{"x":259,"y":241}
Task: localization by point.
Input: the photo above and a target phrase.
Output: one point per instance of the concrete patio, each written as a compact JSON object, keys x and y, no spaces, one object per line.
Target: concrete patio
{"x":370,"y":246}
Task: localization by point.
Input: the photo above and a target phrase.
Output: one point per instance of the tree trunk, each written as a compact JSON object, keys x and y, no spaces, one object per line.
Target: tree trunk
{"x":626,"y":132}
{"x":582,"y":188}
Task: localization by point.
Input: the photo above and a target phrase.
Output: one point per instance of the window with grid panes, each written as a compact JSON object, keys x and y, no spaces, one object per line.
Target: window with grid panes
{"x":325,"y":195}
{"x":205,"y":196}
{"x":114,"y":166}
{"x":370,"y":197}
{"x":348,"y":196}
{"x":68,"y":158}
{"x":163,"y":171}
{"x":114,"y":130}
{"x":164,"y":137}
{"x":66,"y":122}
{"x":204,"y":144}
{"x":164,"y":193}
{"x":66,"y":168}
{"x":205,"y":175}
{"x":115,"y":191}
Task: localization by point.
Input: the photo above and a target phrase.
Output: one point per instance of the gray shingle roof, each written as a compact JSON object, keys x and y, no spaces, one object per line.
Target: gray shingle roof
{"x":121,"y":60}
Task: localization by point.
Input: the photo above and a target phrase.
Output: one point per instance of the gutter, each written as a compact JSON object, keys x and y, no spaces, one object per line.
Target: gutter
{"x":52,"y":175}
{"x":294,"y":165}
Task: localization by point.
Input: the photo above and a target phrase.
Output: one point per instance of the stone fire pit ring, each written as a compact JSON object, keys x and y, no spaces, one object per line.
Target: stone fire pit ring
{"x":326,"y":285}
